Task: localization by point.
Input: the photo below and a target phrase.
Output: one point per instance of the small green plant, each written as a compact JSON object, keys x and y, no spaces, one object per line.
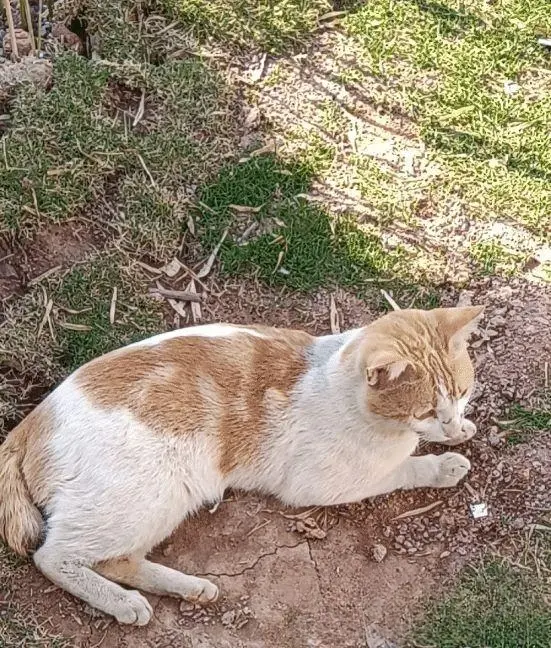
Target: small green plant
{"x":492,"y":258}
{"x":524,"y":422}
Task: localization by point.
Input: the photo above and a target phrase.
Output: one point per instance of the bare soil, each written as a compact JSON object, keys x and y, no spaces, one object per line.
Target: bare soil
{"x":56,"y":246}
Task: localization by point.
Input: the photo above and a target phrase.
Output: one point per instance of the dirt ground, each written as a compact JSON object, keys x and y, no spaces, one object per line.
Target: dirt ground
{"x":352,"y":575}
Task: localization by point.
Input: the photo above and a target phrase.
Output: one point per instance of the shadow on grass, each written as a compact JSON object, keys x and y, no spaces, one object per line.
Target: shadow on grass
{"x":275,"y":233}
{"x":453,"y":22}
{"x":457,"y":81}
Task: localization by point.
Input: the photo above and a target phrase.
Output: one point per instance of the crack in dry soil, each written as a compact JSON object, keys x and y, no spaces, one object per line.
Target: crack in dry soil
{"x":315,"y":564}
{"x":258,"y":559}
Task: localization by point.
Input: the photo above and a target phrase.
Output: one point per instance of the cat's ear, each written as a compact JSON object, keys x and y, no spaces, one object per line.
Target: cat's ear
{"x":458,"y":324}
{"x":386,"y":369}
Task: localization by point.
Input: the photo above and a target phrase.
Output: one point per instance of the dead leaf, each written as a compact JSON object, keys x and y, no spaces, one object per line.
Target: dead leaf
{"x":245,"y":209}
{"x":178,"y":307}
{"x":332,"y":14}
{"x":279,"y":260}
{"x":49,"y":306}
{"x":171,"y":269}
{"x":270,"y":147}
{"x":147,"y":171}
{"x":149,"y":268}
{"x":207,"y":267}
{"x":75,"y":327}
{"x":140,"y":113}
{"x":113,"y":306}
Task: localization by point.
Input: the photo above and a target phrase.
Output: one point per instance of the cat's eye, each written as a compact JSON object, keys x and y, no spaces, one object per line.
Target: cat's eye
{"x":447,"y":422}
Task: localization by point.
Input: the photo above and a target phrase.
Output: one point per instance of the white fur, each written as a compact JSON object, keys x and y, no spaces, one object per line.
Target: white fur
{"x":450,"y":426}
{"x":206,"y":330}
{"x":122,"y":488}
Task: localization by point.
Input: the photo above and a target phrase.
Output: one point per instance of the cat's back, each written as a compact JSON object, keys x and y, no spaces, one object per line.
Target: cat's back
{"x":211,"y":391}
{"x":196,"y":366}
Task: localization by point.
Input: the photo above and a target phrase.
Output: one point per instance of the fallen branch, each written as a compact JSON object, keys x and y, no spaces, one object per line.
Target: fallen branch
{"x":11,"y":29}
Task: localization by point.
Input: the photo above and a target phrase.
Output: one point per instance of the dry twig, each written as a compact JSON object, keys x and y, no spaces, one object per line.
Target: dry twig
{"x":181,"y":295}
{"x":390,"y":300}
{"x":417,"y":511}
{"x":11,"y":29}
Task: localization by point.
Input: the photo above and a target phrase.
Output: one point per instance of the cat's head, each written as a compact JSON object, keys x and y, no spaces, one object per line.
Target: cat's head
{"x":417,"y":369}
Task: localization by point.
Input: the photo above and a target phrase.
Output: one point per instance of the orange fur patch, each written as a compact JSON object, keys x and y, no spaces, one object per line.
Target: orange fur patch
{"x":25,"y":479}
{"x":422,"y":338}
{"x":37,"y":429}
{"x":185,"y":385}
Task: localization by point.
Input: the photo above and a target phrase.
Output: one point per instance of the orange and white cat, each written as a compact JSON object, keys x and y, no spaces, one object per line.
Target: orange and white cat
{"x":133,"y":442}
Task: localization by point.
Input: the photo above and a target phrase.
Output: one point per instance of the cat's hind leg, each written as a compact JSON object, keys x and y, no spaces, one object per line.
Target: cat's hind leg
{"x":155,"y":578}
{"x":76,"y":576}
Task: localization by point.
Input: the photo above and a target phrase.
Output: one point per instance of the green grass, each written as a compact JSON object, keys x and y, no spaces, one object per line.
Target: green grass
{"x":269,"y":25}
{"x":302,"y":246}
{"x":31,"y":355}
{"x":524,"y":422}
{"x":89,"y":289}
{"x":448,"y":66}
{"x":531,"y":420}
{"x":493,"y":606}
{"x":491,"y":258}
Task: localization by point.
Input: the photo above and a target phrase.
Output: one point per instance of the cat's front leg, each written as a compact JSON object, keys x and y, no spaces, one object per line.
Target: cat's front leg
{"x":463,"y":434}
{"x":429,"y":471}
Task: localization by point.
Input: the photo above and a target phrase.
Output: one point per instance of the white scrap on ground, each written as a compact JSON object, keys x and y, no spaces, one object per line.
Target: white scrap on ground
{"x":479,"y":510}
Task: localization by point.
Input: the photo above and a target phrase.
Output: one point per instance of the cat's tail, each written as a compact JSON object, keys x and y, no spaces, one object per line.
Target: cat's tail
{"x":21,"y":522}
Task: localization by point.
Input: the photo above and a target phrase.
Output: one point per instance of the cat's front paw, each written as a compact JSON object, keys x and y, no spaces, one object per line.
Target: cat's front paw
{"x":468,"y":430}
{"x":451,"y":469}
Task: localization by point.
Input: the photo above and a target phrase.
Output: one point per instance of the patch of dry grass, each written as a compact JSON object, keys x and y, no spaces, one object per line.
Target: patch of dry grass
{"x":122,"y":140}
{"x":269,"y":25}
